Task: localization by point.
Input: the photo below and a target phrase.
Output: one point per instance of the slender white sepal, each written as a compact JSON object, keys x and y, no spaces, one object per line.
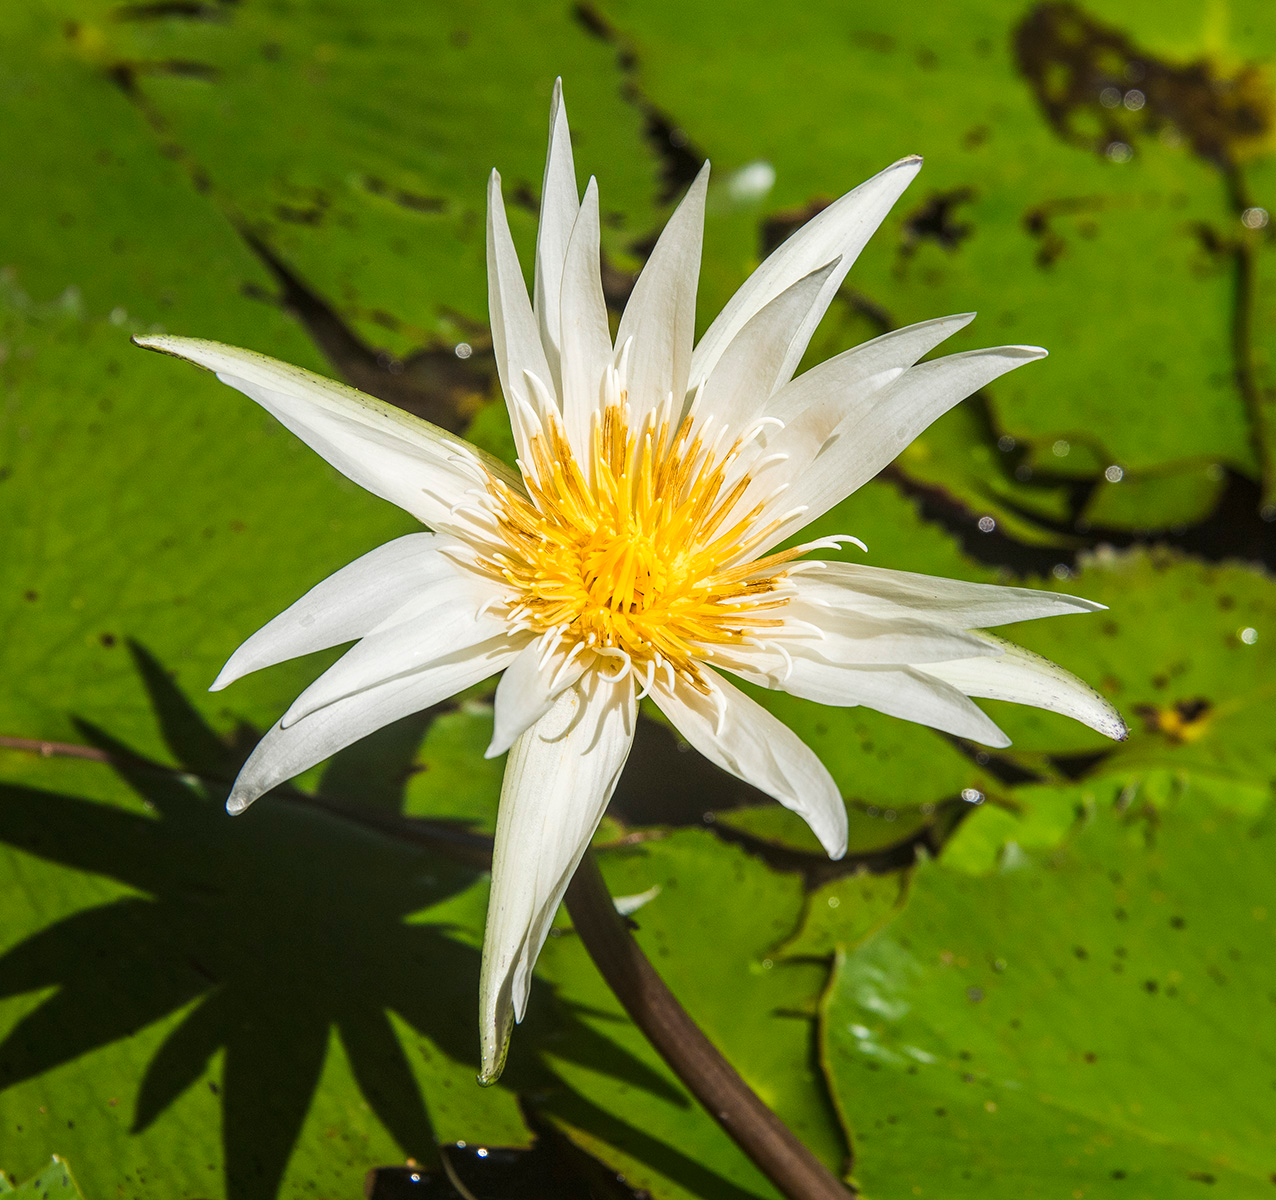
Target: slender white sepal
{"x":853,"y":377}
{"x":559,"y":205}
{"x":283,"y":753}
{"x":752,"y":366}
{"x":447,"y":617}
{"x":841,"y":231}
{"x":345,"y":606}
{"x":586,"y":336}
{"x":659,"y":320}
{"x":855,"y":449}
{"x":1022,"y":677}
{"x":558,"y":779}
{"x":876,"y":592}
{"x":516,"y":339}
{"x":388,"y":452}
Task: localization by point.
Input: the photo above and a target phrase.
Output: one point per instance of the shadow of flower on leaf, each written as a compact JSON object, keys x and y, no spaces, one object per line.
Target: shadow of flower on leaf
{"x":272,"y":929}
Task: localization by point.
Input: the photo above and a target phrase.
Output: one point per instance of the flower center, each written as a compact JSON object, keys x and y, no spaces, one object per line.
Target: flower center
{"x":641,"y":552}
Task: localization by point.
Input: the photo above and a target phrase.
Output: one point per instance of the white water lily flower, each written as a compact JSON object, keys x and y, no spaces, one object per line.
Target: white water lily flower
{"x":636,"y":552}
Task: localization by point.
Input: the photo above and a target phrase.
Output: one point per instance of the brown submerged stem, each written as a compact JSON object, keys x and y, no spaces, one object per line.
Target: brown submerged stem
{"x":779,"y":1155}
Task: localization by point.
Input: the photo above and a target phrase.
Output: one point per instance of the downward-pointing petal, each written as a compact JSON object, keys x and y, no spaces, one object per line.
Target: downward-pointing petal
{"x":741,"y":737}
{"x":528,"y":689}
{"x":559,"y":777}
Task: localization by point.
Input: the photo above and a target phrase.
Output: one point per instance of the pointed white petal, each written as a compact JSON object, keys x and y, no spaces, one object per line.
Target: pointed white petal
{"x":903,"y":692}
{"x":853,"y":376}
{"x":283,"y":753}
{"x":528,"y":689}
{"x":586,"y":336}
{"x":861,"y":445}
{"x":749,"y":371}
{"x":890,"y":595}
{"x":1026,"y":678}
{"x":841,"y":230}
{"x":436,"y":622}
{"x":345,"y":606}
{"x":516,"y":340}
{"x":559,"y":203}
{"x":852,"y":638}
{"x":661,"y":314}
{"x":741,"y":737}
{"x":385,"y":450}
{"x":559,"y":777}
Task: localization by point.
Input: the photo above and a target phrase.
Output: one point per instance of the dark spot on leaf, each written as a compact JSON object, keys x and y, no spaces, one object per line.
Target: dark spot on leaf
{"x":1201,"y":1177}
{"x":1043,"y":224}
{"x":1091,"y":1056}
{"x":1177,"y":923}
{"x":1097,"y":89}
{"x":1151,"y":987}
{"x":974,"y":994}
{"x":936,"y":221}
{"x":107,"y":639}
{"x":195,"y":10}
{"x":882,"y":43}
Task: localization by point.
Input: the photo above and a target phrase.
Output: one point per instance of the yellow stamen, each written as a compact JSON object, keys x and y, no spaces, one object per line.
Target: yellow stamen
{"x":626,"y":553}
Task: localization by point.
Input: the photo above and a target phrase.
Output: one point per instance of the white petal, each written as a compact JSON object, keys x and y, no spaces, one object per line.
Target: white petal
{"x":437,"y":622}
{"x":345,"y":606}
{"x":586,"y":336}
{"x":904,"y":692}
{"x":841,"y":230}
{"x":660,"y":316}
{"x":741,"y":737}
{"x":1026,"y":678}
{"x":559,"y":777}
{"x":283,"y":753}
{"x":516,"y":340}
{"x":528,"y":689}
{"x":559,"y":204}
{"x":862,"y":444}
{"x":853,"y":638}
{"x":853,"y":376}
{"x":385,"y":450}
{"x":876,"y":592}
{"x":750,"y":370}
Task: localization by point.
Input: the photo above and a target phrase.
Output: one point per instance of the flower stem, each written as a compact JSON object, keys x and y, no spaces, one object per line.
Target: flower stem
{"x":779,"y":1155}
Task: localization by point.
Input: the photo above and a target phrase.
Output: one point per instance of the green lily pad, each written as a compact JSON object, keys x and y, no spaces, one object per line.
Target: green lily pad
{"x":54,"y":1180}
{"x":1091,"y":1020}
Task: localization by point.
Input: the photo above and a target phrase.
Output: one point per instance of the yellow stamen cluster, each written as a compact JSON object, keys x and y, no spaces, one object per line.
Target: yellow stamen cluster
{"x":631,"y":554}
